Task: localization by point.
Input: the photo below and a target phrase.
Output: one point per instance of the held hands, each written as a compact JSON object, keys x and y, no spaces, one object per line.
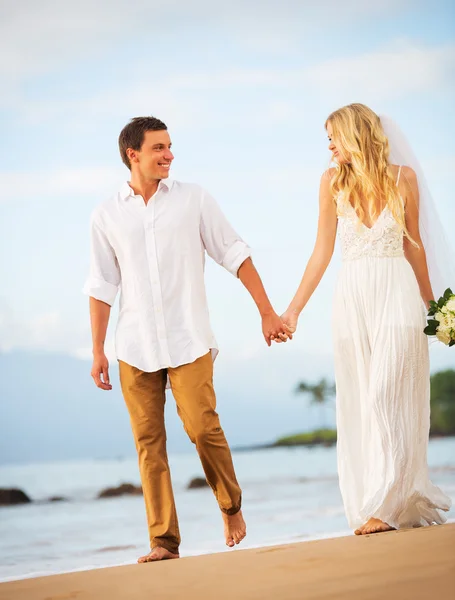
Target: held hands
{"x":289,"y":319}
{"x":274,"y":329}
{"x":100,"y":368}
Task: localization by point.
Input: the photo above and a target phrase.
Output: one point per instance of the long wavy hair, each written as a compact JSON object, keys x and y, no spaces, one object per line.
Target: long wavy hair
{"x":364,"y":177}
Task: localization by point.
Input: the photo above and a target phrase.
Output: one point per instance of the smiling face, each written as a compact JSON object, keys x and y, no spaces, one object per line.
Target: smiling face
{"x":339,"y":154}
{"x":153,"y":160}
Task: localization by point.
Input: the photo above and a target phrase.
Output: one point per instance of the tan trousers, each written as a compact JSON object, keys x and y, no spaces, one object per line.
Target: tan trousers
{"x":192,"y":387}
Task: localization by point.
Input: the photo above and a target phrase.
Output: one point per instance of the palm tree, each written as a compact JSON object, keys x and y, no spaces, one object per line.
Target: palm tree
{"x":320,"y":394}
{"x":443,"y":403}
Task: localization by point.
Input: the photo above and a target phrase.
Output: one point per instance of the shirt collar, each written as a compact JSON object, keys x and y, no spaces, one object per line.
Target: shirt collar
{"x":126,"y":191}
{"x":168,"y":183}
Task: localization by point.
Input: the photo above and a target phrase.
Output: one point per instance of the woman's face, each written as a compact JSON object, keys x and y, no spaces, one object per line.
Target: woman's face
{"x":336,"y":150}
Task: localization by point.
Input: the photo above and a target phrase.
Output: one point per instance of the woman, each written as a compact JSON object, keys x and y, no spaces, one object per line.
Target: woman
{"x":381,"y":353}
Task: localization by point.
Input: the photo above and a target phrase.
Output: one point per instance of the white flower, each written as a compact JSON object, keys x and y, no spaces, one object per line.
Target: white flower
{"x":443,"y":336}
{"x":439,"y":316}
{"x":451,"y":304}
{"x":446,"y":325}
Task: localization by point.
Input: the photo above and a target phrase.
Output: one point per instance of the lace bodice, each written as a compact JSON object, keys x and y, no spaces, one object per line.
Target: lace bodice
{"x":383,"y":239}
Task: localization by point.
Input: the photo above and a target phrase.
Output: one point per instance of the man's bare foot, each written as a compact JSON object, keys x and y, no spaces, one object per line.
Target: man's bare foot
{"x":157,"y":554}
{"x":373,"y":526}
{"x":234,"y":528}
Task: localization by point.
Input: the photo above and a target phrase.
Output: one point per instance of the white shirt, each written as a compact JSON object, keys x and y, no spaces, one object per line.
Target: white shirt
{"x":156,"y":253}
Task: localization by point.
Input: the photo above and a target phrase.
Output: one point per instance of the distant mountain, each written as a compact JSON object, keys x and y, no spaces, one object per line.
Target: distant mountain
{"x":50,"y":408}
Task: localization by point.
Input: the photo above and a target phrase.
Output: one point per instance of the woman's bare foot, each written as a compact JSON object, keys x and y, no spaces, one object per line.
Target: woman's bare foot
{"x":157,"y":554}
{"x":373,"y":526}
{"x":234,"y":528}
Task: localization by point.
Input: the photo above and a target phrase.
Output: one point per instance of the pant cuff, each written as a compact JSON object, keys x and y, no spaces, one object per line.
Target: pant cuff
{"x":166,"y":544}
{"x":234,"y":509}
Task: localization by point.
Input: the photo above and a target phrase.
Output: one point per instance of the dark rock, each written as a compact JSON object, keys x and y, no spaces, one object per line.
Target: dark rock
{"x":125,"y":489}
{"x":328,"y":444}
{"x":58,"y":499}
{"x":196,"y":483}
{"x":9,"y":497}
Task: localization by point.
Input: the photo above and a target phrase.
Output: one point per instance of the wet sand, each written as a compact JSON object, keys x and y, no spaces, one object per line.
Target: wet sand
{"x":402,"y":565}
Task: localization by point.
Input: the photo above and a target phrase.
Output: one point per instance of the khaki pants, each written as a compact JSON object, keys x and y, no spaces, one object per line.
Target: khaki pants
{"x":192,"y":387}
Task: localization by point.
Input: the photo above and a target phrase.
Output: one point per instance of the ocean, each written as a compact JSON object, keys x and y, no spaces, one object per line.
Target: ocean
{"x":289,"y":495}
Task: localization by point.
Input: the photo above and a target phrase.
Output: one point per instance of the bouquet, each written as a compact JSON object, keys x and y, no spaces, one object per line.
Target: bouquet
{"x":441,"y":318}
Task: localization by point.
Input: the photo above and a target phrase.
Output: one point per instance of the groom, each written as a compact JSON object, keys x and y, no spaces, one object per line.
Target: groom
{"x":150,"y":239}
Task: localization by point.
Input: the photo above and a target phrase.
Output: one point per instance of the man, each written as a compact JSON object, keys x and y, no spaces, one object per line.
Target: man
{"x":151,"y":239}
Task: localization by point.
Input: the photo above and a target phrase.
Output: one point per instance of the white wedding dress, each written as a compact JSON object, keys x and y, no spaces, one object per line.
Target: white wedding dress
{"x":382,"y":379}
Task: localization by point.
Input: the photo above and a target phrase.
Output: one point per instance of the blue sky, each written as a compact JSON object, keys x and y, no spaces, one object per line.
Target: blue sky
{"x":244,"y":89}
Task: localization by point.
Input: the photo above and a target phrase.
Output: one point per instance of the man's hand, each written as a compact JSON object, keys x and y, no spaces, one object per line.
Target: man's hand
{"x":101,"y":368}
{"x":273,"y":328}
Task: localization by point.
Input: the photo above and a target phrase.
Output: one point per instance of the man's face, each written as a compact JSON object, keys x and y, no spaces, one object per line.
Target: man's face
{"x":154,"y":158}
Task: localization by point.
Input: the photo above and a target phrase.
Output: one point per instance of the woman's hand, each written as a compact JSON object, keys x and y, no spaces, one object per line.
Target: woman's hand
{"x":273,"y":328}
{"x":290,"y":318}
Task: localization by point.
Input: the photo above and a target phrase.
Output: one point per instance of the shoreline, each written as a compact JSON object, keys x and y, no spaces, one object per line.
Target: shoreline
{"x":133,"y":457}
{"x":399,"y":564}
{"x":275,"y":544}
{"x":282,"y":443}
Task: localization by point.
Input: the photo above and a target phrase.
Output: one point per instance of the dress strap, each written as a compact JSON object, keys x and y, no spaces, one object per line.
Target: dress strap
{"x":399,"y":173}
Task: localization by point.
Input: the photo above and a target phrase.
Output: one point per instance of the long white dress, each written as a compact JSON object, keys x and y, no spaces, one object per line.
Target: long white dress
{"x":382,"y":379}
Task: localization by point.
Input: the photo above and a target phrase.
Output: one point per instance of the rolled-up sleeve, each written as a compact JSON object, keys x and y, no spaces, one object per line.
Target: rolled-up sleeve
{"x":220,"y":240}
{"x":104,"y":277}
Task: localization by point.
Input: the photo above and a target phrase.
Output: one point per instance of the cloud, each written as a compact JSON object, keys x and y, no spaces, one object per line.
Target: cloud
{"x":117,"y":101}
{"x":47,"y":330}
{"x":393,"y":71}
{"x":400,"y":67}
{"x":66,"y":182}
{"x":198,"y":98}
{"x":86,"y":352}
{"x":51,"y":331}
{"x":40,"y":37}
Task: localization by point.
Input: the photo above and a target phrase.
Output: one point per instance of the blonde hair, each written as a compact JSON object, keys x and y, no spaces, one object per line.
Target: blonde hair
{"x":365,"y":175}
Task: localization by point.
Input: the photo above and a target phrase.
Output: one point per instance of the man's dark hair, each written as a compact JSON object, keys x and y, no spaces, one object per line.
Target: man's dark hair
{"x":132,"y":135}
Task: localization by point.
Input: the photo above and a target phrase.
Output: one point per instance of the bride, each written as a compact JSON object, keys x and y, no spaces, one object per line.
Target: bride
{"x":381,"y":353}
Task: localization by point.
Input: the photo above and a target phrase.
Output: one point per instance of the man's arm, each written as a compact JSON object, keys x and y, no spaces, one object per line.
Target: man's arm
{"x":102,"y":287}
{"x":228,"y":249}
{"x":99,"y":319}
{"x":272,"y":326}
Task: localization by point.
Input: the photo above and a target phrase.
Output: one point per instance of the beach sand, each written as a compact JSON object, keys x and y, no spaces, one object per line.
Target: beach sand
{"x":403,"y":565}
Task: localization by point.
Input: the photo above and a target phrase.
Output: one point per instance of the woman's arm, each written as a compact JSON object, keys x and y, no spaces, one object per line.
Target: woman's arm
{"x":321,"y":256}
{"x":415,"y":256}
